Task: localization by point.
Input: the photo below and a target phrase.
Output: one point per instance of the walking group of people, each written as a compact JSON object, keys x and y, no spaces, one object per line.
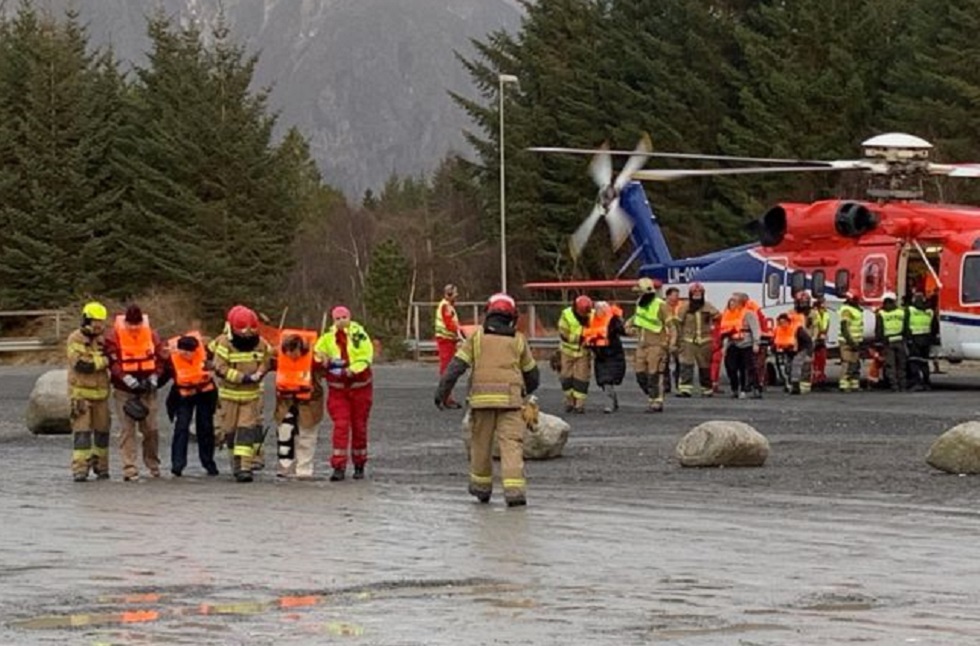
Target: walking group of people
{"x":217,"y":384}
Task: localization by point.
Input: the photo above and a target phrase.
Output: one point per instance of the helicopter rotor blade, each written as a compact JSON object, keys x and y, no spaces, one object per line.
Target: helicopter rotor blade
{"x":634,"y":163}
{"x":581,"y":235}
{"x":670,"y":155}
{"x":955,"y":170}
{"x":619,"y":223}
{"x":601,"y":168}
{"x":666,"y":175}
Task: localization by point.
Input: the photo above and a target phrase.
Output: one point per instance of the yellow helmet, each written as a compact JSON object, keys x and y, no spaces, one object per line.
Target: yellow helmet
{"x":95,"y":311}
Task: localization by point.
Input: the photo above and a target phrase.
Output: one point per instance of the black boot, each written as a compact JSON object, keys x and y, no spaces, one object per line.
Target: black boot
{"x":516,"y":501}
{"x":359,"y":472}
{"x":243,"y":476}
{"x":337,"y":475}
{"x":481,"y":494}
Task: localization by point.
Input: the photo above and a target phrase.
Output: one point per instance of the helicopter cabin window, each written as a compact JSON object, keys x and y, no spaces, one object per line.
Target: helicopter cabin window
{"x":818,"y":283}
{"x":970,"y":283}
{"x":873,"y":277}
{"x":797,"y":282}
{"x":773,"y":283}
{"x":842,"y":281}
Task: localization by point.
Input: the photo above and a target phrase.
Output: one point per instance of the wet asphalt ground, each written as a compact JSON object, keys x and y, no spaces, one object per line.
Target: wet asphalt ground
{"x":845,"y":536}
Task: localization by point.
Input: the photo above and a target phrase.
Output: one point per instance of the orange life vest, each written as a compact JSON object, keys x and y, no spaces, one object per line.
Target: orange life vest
{"x":136,"y":351}
{"x":732,"y":321}
{"x":597,"y":332}
{"x":294,"y":377}
{"x":190,"y":375}
{"x":785,"y":339}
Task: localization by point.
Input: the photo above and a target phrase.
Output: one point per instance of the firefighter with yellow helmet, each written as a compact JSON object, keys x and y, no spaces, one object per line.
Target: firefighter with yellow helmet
{"x":88,"y":391}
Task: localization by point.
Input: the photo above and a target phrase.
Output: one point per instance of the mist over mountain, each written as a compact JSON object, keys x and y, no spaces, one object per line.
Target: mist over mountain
{"x":365,"y":80}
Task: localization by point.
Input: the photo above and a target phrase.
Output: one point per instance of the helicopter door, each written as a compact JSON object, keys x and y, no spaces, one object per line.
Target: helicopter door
{"x":774,"y":281}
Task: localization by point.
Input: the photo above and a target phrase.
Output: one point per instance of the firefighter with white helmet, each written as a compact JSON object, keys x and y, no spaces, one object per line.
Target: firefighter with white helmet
{"x":88,"y":391}
{"x":652,"y":324}
{"x":504,"y":373}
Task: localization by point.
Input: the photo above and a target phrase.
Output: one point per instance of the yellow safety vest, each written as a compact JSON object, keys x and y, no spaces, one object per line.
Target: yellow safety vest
{"x":893,"y":321}
{"x":853,"y":316}
{"x":360,"y":350}
{"x":571,"y":331}
{"x":920,"y":321}
{"x":648,"y":318}
{"x":442,"y":332}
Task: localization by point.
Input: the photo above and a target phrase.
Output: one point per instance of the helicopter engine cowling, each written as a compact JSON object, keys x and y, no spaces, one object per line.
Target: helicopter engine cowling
{"x":793,"y":223}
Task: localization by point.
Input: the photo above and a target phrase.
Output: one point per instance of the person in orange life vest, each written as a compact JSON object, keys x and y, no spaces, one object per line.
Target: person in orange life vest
{"x":448,"y":333}
{"x":192,"y":396}
{"x":740,"y":330}
{"x":819,"y":365}
{"x":793,"y":345}
{"x":346,"y":353}
{"x":604,"y":338}
{"x":299,"y":402}
{"x":137,"y":364}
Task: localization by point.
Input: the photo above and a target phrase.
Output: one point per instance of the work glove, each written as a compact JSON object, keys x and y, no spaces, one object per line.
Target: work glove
{"x":254,"y":378}
{"x":84,"y":367}
{"x":153,"y":382}
{"x":132,"y":383}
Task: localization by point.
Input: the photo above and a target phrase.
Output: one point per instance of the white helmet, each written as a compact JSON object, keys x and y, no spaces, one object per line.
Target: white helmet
{"x":890,"y":296}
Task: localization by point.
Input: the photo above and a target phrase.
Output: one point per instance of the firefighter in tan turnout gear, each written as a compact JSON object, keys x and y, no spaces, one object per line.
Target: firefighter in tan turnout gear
{"x":695,"y":319}
{"x":88,"y":390}
{"x":504,"y":373}
{"x":241,"y":360}
{"x":652,"y":324}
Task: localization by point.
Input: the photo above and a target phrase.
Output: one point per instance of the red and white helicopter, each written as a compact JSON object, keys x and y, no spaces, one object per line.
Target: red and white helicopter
{"x":892,"y":242}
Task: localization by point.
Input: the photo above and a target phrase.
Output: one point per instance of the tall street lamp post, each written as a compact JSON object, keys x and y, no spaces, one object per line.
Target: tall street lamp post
{"x":502,"y":79}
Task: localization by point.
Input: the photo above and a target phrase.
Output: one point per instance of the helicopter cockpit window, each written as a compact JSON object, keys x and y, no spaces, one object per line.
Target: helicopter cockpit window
{"x":773,"y":283}
{"x":873,"y":277}
{"x":797,"y":282}
{"x":842,"y":281}
{"x":970,"y":283}
{"x":818,"y":283}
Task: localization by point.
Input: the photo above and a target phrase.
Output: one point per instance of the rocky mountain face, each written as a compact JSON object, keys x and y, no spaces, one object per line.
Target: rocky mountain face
{"x":365,"y":80}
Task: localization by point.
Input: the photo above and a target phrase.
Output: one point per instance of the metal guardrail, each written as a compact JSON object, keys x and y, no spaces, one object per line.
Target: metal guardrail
{"x":32,"y":344}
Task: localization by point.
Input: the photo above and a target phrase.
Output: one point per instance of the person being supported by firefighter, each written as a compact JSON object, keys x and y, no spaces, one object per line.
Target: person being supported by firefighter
{"x":192,"y":397}
{"x":604,"y":337}
{"x":299,"y":402}
{"x":793,"y":345}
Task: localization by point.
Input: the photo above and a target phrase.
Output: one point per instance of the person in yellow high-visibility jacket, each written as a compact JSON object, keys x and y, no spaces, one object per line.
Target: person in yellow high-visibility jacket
{"x":88,"y":390}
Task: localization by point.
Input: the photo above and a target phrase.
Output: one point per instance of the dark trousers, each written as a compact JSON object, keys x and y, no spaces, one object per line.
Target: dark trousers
{"x":896,"y":358}
{"x":199,"y":407}
{"x":919,"y":359}
{"x":740,"y":364}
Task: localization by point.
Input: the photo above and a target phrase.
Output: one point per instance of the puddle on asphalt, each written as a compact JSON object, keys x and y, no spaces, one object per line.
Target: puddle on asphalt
{"x":160,"y":606}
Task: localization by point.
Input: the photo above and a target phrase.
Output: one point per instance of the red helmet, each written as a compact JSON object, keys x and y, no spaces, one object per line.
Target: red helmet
{"x":501,"y":303}
{"x":802,"y":296}
{"x":242,"y":319}
{"x":583,"y":304}
{"x":695,"y":287}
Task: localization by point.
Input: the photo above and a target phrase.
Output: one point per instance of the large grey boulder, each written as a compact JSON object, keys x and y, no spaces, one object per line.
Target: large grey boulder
{"x":48,"y":409}
{"x":545,"y":441}
{"x":723,"y":444}
{"x":957,"y":450}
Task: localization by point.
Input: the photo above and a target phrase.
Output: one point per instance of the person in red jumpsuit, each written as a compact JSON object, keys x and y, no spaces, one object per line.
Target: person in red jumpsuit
{"x":345,"y":351}
{"x":448,"y":334}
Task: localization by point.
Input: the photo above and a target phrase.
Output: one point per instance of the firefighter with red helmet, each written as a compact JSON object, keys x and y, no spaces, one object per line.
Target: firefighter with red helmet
{"x":652,"y":322}
{"x":695,"y":319}
{"x":504,"y":373}
{"x":576,"y":360}
{"x":241,"y":360}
